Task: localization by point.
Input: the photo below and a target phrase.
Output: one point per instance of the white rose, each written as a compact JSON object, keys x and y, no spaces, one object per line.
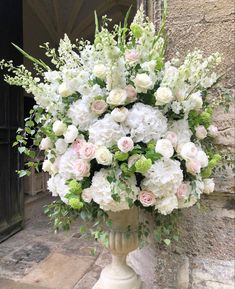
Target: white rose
{"x":172,"y":137}
{"x":143,"y":82}
{"x":61,"y":146}
{"x":103,"y":156}
{"x":201,"y":132}
{"x":165,"y":148}
{"x":70,"y":134}
{"x":213,"y":130}
{"x":117,"y":96}
{"x":125,"y":144}
{"x":188,"y":151}
{"x":195,"y":101}
{"x":87,"y":195}
{"x":202,"y":158}
{"x":119,"y":114}
{"x":64,"y":91}
{"x":49,"y":167}
{"x":46,"y":144}
{"x":209,"y":186}
{"x":100,"y":71}
{"x":59,"y":127}
{"x":163,"y":96}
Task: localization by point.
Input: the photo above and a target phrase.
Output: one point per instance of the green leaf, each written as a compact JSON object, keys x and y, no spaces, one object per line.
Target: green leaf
{"x":21,"y":149}
{"x":167,"y":242}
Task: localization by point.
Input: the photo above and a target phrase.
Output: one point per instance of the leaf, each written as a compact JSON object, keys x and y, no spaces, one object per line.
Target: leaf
{"x":96,"y":23}
{"x":167,"y":242}
{"x":21,"y":149}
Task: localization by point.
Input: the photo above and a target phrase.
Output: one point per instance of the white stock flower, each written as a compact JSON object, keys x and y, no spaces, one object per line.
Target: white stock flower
{"x":61,"y":146}
{"x":103,"y":156}
{"x":165,"y":148}
{"x":100,"y":71}
{"x":59,"y":127}
{"x":57,"y":186}
{"x":143,"y":82}
{"x":163,"y":96}
{"x":145,"y":123}
{"x":105,"y":132}
{"x":119,"y":114}
{"x":46,"y":144}
{"x":209,"y":186}
{"x":166,"y":204}
{"x":117,"y":96}
{"x":70,"y":134}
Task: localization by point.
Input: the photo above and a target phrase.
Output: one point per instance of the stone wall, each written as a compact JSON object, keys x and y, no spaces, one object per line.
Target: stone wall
{"x":204,"y":256}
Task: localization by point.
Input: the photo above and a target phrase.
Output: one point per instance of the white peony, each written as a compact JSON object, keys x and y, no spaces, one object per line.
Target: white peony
{"x":165,"y":148}
{"x":58,"y":187}
{"x":103,"y":156}
{"x":59,"y":127}
{"x":163,"y":96}
{"x":163,"y":178}
{"x":145,"y":123}
{"x":119,"y":114}
{"x":143,"y":82}
{"x":209,"y":186}
{"x":105,"y":132}
{"x":61,"y":146}
{"x":46,"y":144}
{"x":100,"y":71}
{"x":81,"y":115}
{"x":70,"y":134}
{"x":117,"y":96}
{"x":167,"y":204}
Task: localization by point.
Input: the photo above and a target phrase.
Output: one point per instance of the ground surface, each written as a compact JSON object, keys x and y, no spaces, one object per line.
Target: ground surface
{"x":37,"y":258}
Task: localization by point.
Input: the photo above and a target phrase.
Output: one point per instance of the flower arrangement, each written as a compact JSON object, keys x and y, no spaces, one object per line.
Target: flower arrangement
{"x":119,"y":125}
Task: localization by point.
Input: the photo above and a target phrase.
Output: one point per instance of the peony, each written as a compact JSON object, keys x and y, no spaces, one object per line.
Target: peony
{"x":188,"y":151}
{"x":64,"y":90}
{"x":103,"y":156}
{"x":213,"y":130}
{"x":125,"y":144}
{"x":201,"y":132}
{"x":209,"y":186}
{"x":119,"y":114}
{"x":46,"y":144}
{"x":61,"y":146}
{"x":70,"y":134}
{"x":193,"y":166}
{"x":167,"y":204}
{"x":132,"y":56}
{"x":182,"y":191}
{"x":99,"y":106}
{"x":163,"y":96}
{"x":147,"y":198}
{"x":145,"y":123}
{"x":117,"y":96}
{"x":100,"y":71}
{"x":172,"y":137}
{"x":59,"y":127}
{"x":131,"y":93}
{"x":143,"y":82}
{"x":165,"y":148}
{"x":87,"y":151}
{"x":87,"y":195}
{"x":82,"y":168}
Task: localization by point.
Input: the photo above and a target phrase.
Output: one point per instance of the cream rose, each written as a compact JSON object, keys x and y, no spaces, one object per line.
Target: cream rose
{"x":143,"y":82}
{"x":172,"y":137}
{"x":131,"y":93}
{"x":182,"y":191}
{"x":213,"y":130}
{"x":193,"y":166}
{"x":103,"y":156}
{"x":125,"y":144}
{"x":195,"y":101}
{"x":46,"y":144}
{"x":70,"y":134}
{"x":117,"y":96}
{"x":59,"y":127}
{"x":119,"y":114}
{"x":64,"y":91}
{"x":202,"y":158}
{"x":82,"y":168}
{"x":87,"y":195}
{"x":100,"y":71}
{"x":163,"y":96}
{"x":188,"y":151}
{"x":61,"y":146}
{"x":87,"y":151}
{"x":99,"y":106}
{"x":165,"y":148}
{"x":209,"y":186}
{"x":201,"y":132}
{"x":147,"y":198}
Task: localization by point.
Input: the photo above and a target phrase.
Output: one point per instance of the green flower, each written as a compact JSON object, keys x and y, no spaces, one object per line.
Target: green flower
{"x":143,"y":165}
{"x":75,"y":203}
{"x":136,"y":30}
{"x":120,"y":156}
{"x":205,"y":118}
{"x":151,"y":145}
{"x":75,"y":187}
{"x":206,"y":173}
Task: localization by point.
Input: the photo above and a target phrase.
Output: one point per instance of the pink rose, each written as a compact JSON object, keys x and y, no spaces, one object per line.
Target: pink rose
{"x":77,"y":144}
{"x":193,"y":166}
{"x":87,"y":151}
{"x":172,"y":137}
{"x":125,"y":144}
{"x":201,"y":132}
{"x":87,"y":195}
{"x":82,"y":168}
{"x":99,"y":106}
{"x":131,"y":93}
{"x":147,"y":198}
{"x":132,"y":56}
{"x":182,"y":191}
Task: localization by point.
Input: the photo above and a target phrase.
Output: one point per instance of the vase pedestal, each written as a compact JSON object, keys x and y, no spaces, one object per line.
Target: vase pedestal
{"x":123,"y":239}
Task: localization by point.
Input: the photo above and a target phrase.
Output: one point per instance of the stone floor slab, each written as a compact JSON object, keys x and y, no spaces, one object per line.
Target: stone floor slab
{"x":9,"y":284}
{"x":59,"y":271}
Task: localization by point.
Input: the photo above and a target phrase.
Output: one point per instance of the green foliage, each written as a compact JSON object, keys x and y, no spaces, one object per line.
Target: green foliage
{"x":143,"y":165}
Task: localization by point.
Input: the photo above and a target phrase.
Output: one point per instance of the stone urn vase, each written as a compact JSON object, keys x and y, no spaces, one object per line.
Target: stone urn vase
{"x":123,"y":238}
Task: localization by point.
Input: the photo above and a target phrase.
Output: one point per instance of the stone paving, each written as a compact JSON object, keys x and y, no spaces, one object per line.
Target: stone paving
{"x":37,"y":258}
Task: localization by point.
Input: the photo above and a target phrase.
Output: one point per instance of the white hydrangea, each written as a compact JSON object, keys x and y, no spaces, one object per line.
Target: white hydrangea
{"x":102,"y":191}
{"x":163,"y":178}
{"x":56,"y":184}
{"x":81,"y":115}
{"x":167,"y":204}
{"x":105,"y":132}
{"x":145,"y":123}
{"x":181,"y":128}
